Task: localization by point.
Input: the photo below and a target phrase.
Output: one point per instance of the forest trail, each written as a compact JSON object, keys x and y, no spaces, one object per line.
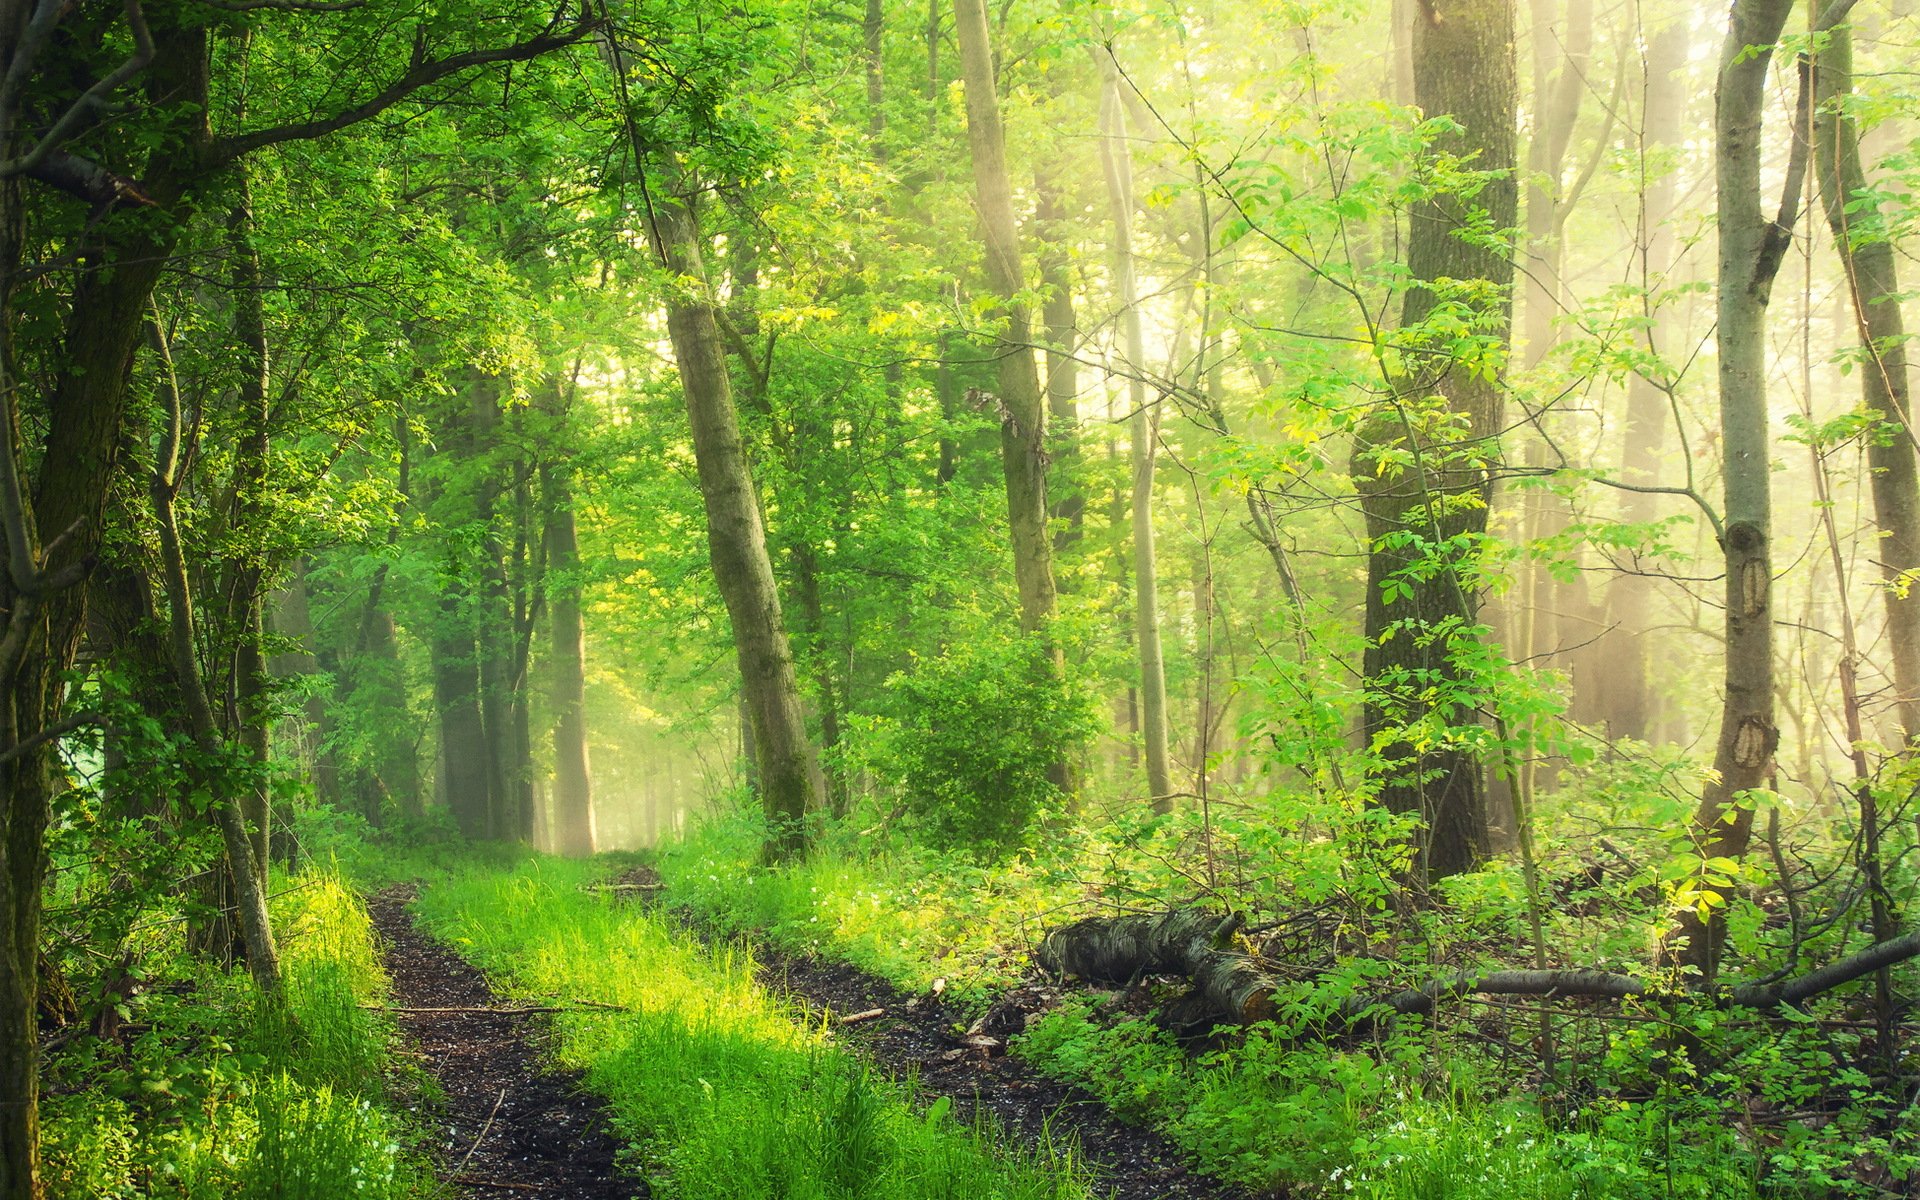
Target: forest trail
{"x":514,"y":1128}
{"x":919,"y":1038}
{"x":914,"y":1038}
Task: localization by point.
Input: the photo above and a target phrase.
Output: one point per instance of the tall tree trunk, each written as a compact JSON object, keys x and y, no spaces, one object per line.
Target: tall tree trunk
{"x":737,"y":541}
{"x":1631,"y":701}
{"x":1436,"y":506}
{"x":464,"y":776}
{"x":1556,"y":108}
{"x":493,"y":624}
{"x":53,"y":536}
{"x":1142,"y":426}
{"x":247,"y":576}
{"x":1063,"y":374}
{"x":1023,"y":421}
{"x":574,"y":830}
{"x":1750,"y":251}
{"x":1874,"y":287}
{"x":292,"y":620}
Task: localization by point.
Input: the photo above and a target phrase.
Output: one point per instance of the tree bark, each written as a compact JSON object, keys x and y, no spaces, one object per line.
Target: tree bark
{"x":1023,"y":421}
{"x":573,"y":816}
{"x":247,"y":575}
{"x":1749,"y":255}
{"x":1873,"y":285}
{"x":1069,"y":501}
{"x":1436,"y":507}
{"x":464,"y":775}
{"x":736,"y":540}
{"x":1142,"y":427}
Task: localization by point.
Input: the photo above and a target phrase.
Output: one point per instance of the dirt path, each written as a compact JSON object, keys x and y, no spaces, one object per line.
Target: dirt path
{"x":915,"y":1035}
{"x":514,"y":1129}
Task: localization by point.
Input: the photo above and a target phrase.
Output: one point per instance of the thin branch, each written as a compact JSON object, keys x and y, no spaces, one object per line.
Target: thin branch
{"x":93,"y":100}
{"x":421,"y":73}
{"x":49,"y":734}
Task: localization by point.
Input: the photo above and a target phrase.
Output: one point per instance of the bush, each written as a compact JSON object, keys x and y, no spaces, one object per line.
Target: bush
{"x":977,"y":728}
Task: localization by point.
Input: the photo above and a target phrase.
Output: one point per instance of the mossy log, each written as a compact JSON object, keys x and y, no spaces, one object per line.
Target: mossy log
{"x":1199,"y":946}
{"x":1187,"y":942}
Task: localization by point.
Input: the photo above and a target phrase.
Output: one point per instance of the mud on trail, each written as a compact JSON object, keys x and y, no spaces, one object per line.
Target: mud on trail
{"x":514,"y":1128}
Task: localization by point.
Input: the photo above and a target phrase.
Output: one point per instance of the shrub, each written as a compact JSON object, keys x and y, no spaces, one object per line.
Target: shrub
{"x":977,"y":728}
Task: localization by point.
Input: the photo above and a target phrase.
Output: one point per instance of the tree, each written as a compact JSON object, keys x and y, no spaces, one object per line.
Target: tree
{"x":572,"y":778}
{"x":1424,"y":487}
{"x":1873,"y":289}
{"x":1023,"y":417}
{"x":1143,"y":429}
{"x":1750,"y":253}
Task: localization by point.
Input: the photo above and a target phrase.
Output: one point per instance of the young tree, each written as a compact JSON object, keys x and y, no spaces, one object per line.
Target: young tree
{"x":1023,"y":421}
{"x":1873,"y":289}
{"x":1750,"y":253}
{"x":1424,"y":490}
{"x":1143,"y":427}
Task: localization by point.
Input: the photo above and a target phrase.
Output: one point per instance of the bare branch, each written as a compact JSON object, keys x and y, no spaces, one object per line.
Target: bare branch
{"x":91,"y":101}
{"x":49,"y":734}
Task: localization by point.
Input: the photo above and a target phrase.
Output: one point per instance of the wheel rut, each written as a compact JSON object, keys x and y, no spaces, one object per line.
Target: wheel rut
{"x":512,"y":1127}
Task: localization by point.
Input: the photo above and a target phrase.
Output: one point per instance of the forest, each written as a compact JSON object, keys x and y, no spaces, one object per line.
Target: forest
{"x":898,"y":599}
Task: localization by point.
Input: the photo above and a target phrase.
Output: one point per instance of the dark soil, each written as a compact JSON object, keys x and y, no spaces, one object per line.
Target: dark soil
{"x":513,"y":1127}
{"x":918,"y":1036}
{"x":926,"y":1038}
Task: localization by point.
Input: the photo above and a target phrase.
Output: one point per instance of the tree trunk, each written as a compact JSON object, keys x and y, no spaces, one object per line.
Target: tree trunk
{"x":1143,"y":426}
{"x":1722,"y":825}
{"x":573,"y":818}
{"x":736,"y":540}
{"x":464,"y":773}
{"x":1463,"y":66}
{"x":1874,"y":286}
{"x":293,"y":620}
{"x":247,"y":575}
{"x":204,"y":771}
{"x":1023,"y":420}
{"x":1185,"y":941}
{"x":1069,"y":501}
{"x":1631,"y":701}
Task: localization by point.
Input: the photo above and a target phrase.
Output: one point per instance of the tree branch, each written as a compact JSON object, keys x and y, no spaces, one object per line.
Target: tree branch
{"x":420,"y":73}
{"x":94,"y":99}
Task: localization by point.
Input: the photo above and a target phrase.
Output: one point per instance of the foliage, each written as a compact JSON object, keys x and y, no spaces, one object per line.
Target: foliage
{"x":977,"y":728}
{"x":214,"y":1092}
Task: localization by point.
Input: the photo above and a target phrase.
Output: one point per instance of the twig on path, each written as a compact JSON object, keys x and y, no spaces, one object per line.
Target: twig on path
{"x":856,"y":1018}
{"x":494,"y":1011}
{"x":476,"y":1181}
{"x":468,"y":1157}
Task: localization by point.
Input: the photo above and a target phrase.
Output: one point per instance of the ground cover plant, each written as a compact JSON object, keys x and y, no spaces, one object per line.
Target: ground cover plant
{"x":1650,"y":1100}
{"x":190,"y":1084}
{"x":724,"y":1089}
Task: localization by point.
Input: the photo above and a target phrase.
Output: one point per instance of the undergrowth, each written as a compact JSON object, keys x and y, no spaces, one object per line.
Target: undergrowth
{"x":1668,"y":1103}
{"x":209,"y":1091}
{"x":725,"y":1094}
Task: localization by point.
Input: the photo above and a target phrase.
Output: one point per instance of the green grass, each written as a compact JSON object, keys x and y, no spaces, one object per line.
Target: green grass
{"x":1418,"y":1118}
{"x":222,"y":1094}
{"x":727,"y":1092}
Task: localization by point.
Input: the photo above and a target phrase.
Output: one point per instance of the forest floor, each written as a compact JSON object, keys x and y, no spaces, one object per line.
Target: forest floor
{"x":515,"y":1128}
{"x":924,"y":1039}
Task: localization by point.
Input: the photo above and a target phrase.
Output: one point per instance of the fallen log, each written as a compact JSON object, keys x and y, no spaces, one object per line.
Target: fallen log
{"x":1197,"y":945}
{"x":1185,"y":941}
